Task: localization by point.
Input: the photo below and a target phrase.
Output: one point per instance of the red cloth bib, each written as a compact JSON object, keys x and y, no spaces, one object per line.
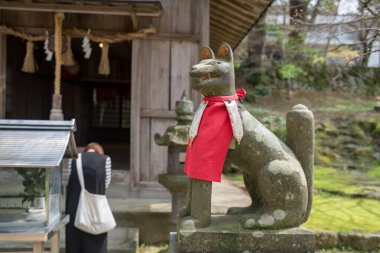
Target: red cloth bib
{"x":206,"y":154}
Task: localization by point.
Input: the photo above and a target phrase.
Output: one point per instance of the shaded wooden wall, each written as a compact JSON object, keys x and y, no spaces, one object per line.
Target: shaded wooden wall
{"x":160,"y":73}
{"x":3,"y":67}
{"x":28,"y":95}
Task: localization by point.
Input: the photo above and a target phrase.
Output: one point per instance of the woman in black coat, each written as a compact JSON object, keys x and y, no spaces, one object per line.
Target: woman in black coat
{"x":97,"y":177}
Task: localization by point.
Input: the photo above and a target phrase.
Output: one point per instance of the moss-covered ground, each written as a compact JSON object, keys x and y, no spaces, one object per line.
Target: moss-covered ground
{"x":374,"y":173}
{"x":327,"y":103}
{"x":336,"y":205}
{"x":342,"y":182}
{"x":340,"y":214}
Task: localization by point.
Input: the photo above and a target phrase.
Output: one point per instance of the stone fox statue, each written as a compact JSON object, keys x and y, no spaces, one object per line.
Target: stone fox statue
{"x":278,"y":178}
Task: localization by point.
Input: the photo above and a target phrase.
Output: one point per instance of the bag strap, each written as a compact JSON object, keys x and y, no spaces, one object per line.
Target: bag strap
{"x":80,"y":171}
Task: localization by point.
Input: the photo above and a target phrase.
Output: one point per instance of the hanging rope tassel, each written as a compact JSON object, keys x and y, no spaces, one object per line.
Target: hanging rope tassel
{"x":104,"y":65}
{"x":29,"y":65}
{"x":67,"y":57}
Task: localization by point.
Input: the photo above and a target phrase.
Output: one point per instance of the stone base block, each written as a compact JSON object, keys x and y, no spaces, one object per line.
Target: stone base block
{"x":224,"y":235}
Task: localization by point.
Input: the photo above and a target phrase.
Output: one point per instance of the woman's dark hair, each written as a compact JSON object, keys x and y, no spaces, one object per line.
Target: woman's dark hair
{"x":95,"y":146}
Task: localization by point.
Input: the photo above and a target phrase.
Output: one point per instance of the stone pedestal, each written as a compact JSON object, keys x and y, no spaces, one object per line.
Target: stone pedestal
{"x":226,"y":235}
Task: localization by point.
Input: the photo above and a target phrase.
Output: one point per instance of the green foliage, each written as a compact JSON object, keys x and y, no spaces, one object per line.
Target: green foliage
{"x":250,"y":97}
{"x":277,"y":125}
{"x":301,"y":65}
{"x":364,"y":80}
{"x":34,"y":183}
{"x":290,"y":71}
{"x":257,"y":111}
{"x":272,"y":121}
{"x":262,"y":90}
{"x":254,"y":79}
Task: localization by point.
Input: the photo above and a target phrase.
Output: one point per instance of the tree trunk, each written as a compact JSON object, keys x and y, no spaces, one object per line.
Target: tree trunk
{"x":297,"y":13}
{"x":256,"y":42}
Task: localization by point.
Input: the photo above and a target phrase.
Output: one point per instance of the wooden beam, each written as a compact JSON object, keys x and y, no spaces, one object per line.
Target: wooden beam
{"x":156,"y":36}
{"x":163,"y":114}
{"x":135,"y":21}
{"x":153,"y":10}
{"x":175,"y":36}
{"x":23,"y":237}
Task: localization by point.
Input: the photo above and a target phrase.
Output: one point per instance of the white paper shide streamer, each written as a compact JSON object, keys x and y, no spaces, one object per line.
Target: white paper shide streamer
{"x":86,"y":46}
{"x":49,"y":54}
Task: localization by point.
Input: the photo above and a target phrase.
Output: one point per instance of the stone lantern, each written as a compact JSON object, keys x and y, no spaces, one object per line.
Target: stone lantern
{"x":176,"y":138}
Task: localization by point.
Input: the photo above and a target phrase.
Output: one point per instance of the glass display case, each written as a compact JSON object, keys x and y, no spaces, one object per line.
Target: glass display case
{"x":31,"y":155}
{"x":29,"y":197}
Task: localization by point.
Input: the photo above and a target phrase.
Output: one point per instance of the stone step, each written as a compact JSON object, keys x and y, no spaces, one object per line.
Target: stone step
{"x":120,"y":240}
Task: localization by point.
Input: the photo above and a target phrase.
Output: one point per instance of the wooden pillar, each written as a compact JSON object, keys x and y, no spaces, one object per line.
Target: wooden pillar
{"x":55,"y":243}
{"x":3,"y":69}
{"x":135,"y":111}
{"x":38,"y":247}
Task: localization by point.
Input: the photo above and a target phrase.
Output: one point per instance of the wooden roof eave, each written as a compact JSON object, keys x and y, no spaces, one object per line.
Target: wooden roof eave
{"x":231,"y":20}
{"x":146,"y":9}
{"x":220,"y":37}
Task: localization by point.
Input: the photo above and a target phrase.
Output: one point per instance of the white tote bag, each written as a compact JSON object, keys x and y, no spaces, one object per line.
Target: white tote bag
{"x":93,"y":214}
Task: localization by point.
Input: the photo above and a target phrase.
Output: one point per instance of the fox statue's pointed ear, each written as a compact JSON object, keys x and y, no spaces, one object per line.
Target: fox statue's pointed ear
{"x":207,"y":53}
{"x":225,"y":52}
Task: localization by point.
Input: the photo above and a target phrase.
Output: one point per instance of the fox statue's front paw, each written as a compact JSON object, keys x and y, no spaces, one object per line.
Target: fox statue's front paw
{"x":239,"y":210}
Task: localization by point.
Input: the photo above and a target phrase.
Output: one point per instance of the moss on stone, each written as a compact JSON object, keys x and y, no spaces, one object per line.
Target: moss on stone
{"x":346,"y":144}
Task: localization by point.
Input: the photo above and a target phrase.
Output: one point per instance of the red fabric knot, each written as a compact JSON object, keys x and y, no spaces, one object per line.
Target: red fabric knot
{"x":241,"y":93}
